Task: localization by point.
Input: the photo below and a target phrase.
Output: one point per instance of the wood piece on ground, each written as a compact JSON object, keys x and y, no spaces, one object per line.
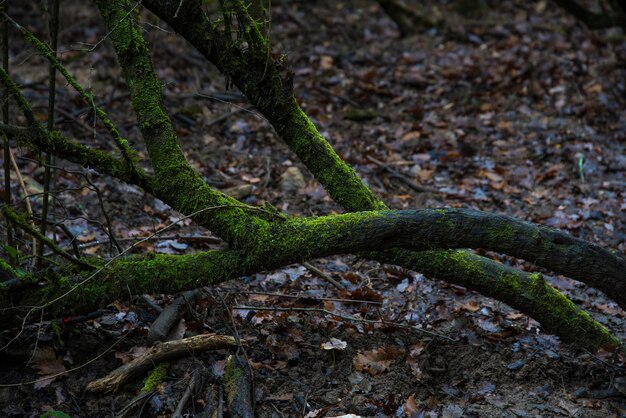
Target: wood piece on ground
{"x":158,"y":354}
{"x":238,"y":385}
{"x":196,"y":382}
{"x":320,"y":273}
{"x":171,"y":315}
{"x":151,"y":303}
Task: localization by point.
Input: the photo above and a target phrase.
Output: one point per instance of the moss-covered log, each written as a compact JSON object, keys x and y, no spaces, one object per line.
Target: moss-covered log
{"x":39,"y":138}
{"x":272,"y":95}
{"x":298,"y":239}
{"x":261,"y":81}
{"x":261,"y":239}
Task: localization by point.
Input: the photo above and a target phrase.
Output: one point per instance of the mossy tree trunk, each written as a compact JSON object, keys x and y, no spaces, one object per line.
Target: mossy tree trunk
{"x":262,"y":239}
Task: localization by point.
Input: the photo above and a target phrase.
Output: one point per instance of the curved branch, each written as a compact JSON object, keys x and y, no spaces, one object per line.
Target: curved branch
{"x":429,"y":229}
{"x":177,"y":182}
{"x":255,"y":73}
{"x":127,"y":152}
{"x":53,"y":142}
{"x":297,"y":240}
{"x":272,"y":96}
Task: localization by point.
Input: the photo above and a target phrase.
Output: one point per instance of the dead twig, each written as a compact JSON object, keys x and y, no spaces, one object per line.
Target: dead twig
{"x":322,"y":274}
{"x":196,"y":382}
{"x":307,"y":297}
{"x":183,"y":238}
{"x":401,"y":177}
{"x":345,"y":317}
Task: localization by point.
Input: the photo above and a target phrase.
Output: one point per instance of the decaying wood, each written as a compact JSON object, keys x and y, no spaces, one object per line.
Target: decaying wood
{"x":158,"y":354}
{"x":171,"y":315}
{"x":196,"y":382}
{"x":263,"y":239}
{"x":238,"y":384}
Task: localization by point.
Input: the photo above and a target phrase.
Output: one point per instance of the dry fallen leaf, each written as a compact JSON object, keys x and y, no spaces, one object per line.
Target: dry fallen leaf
{"x":376,"y":361}
{"x":470,"y":306}
{"x":334,"y":344}
{"x":48,"y":365}
{"x":411,"y":409}
{"x":326,"y":62}
{"x":515,"y":316}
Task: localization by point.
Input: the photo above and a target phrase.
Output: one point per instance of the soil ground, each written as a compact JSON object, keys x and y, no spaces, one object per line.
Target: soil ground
{"x":517,"y":110}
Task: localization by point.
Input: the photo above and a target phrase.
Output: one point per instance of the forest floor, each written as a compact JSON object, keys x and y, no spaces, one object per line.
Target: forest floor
{"x":518,"y":110}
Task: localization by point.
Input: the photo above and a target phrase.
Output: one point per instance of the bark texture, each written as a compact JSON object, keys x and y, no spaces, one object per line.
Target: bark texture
{"x":262,"y":239}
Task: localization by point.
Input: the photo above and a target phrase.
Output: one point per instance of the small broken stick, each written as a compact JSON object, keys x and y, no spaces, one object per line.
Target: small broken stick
{"x":404,"y":179}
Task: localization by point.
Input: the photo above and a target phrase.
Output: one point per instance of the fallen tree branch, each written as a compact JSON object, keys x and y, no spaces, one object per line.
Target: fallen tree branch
{"x":322,"y":274}
{"x":170,"y":316}
{"x":18,"y":221}
{"x":429,"y":229}
{"x":267,"y":240}
{"x":404,"y":179}
{"x":272,"y":95}
{"x":291,"y":242}
{"x":158,"y":354}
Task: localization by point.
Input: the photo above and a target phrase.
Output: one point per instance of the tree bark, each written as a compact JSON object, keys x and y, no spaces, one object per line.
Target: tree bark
{"x":262,"y":239}
{"x":261,"y":82}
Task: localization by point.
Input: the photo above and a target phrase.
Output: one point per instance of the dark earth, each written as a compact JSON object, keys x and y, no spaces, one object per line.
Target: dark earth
{"x":515,"y":108}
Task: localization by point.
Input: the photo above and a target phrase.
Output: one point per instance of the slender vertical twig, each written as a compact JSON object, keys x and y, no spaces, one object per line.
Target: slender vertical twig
{"x":53,"y":26}
{"x":5,"y":139}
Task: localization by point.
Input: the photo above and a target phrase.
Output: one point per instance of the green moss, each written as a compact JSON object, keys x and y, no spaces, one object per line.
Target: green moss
{"x":337,"y":177}
{"x":511,"y":282}
{"x":7,"y":269}
{"x":502,"y":233}
{"x":463,"y":259}
{"x":445,"y":221}
{"x":232,"y":374}
{"x":572,"y":323}
{"x":56,"y":329}
{"x":157,"y":273}
{"x":155,"y":378}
